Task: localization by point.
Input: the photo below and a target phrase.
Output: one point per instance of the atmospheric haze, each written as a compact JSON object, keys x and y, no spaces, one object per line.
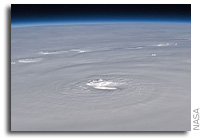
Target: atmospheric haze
{"x":101,"y":77}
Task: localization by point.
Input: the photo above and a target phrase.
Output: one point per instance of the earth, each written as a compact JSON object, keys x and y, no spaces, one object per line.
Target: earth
{"x":101,"y":77}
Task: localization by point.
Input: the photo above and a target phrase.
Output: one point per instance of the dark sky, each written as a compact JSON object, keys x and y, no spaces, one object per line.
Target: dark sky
{"x":32,"y":13}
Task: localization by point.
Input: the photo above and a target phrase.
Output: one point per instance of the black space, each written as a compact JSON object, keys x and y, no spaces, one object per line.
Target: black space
{"x":26,"y":12}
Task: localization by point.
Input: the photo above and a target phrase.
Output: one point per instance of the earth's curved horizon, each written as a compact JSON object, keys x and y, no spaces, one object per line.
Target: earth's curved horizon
{"x":94,"y":22}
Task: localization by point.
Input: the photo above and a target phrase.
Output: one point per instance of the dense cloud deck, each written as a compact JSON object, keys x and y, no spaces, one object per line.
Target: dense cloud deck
{"x":125,"y":77}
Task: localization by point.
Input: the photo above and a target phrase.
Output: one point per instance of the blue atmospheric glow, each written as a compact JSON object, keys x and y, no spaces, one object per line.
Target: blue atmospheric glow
{"x":90,"y":21}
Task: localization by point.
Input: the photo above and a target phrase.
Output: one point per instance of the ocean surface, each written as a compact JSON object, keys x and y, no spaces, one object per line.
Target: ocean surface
{"x":101,"y":77}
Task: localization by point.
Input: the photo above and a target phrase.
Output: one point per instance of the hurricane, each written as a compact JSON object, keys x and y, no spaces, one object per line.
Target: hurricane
{"x":101,"y":77}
